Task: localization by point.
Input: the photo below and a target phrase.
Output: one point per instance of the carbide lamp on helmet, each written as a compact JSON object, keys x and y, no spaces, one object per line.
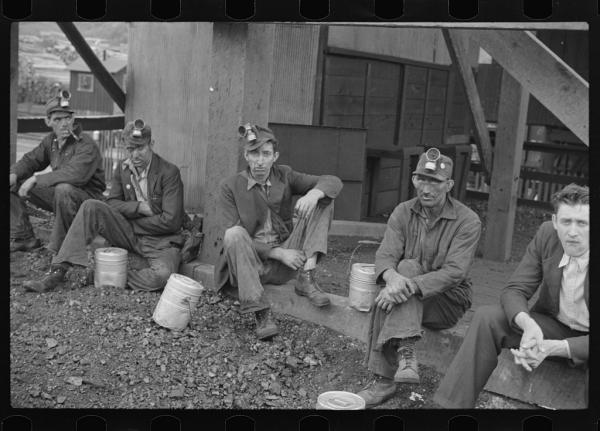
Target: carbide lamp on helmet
{"x":246,"y":131}
{"x":138,"y":125}
{"x":432,"y":155}
{"x":64,"y":96}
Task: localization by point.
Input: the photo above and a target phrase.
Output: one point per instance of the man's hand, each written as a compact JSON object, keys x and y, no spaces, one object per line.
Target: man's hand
{"x":13,"y":179}
{"x":144,"y":209}
{"x":293,"y":258}
{"x":529,"y":358}
{"x":397,"y":287}
{"x":307,"y":203}
{"x":532,"y":333}
{"x":385,"y":301}
{"x":26,"y":186}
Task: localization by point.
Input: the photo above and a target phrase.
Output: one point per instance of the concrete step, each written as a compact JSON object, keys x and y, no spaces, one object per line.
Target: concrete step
{"x":553,"y":385}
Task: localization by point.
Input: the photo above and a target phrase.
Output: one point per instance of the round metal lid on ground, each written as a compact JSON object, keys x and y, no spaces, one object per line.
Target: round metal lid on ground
{"x":340,"y":400}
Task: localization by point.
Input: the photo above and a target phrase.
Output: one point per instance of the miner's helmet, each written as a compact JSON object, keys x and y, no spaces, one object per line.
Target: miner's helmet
{"x":253,"y":136}
{"x":136,"y":133}
{"x":59,"y":103}
{"x":432,"y":163}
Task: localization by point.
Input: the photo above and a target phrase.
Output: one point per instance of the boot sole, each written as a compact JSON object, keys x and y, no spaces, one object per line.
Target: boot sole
{"x":407,"y":380}
{"x":323,"y":304}
{"x":267,"y":335}
{"x":372,"y":404}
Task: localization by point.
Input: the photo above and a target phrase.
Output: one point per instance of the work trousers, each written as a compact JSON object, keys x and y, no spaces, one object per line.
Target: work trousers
{"x":248,"y":272}
{"x":158,"y":256}
{"x":407,"y":320}
{"x":477,"y":357}
{"x":63,"y":200}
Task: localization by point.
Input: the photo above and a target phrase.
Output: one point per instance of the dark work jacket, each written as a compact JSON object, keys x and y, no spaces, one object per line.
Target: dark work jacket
{"x":247,"y":208}
{"x":165,"y":196}
{"x":539,"y":269}
{"x":78,"y":163}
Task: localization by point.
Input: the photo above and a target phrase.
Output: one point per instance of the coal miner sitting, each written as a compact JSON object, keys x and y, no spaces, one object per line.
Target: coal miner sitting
{"x":265,"y":238}
{"x":142,"y":214}
{"x":77,"y":175}
{"x":555,"y":265}
{"x":423,"y":261}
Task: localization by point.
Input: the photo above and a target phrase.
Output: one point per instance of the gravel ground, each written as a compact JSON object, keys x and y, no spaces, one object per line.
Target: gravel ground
{"x":99,"y":348}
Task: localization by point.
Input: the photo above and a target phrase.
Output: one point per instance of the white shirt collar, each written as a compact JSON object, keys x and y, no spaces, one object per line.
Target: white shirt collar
{"x":581,"y":261}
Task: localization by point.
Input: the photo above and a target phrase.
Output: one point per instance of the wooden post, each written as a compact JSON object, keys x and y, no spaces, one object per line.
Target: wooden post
{"x":14,"y":88}
{"x":458,"y":49}
{"x":240,"y":89}
{"x":508,"y":152}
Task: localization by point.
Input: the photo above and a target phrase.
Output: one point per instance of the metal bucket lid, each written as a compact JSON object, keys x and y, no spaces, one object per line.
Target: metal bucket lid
{"x":110,"y":253}
{"x":340,"y":400}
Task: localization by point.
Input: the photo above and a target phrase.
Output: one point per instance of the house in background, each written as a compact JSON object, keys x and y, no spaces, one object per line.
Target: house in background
{"x":88,"y":96}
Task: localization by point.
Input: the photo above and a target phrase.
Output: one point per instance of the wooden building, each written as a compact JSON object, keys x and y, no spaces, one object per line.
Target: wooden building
{"x":88,"y":96}
{"x":354,"y":100}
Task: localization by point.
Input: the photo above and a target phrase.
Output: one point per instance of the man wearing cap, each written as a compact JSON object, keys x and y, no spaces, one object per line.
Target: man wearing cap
{"x":143,"y":214}
{"x":265,"y":238}
{"x":423,"y":261}
{"x":77,"y":174}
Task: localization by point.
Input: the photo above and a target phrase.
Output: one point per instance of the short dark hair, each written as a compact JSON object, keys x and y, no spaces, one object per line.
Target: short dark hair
{"x":571,"y":194}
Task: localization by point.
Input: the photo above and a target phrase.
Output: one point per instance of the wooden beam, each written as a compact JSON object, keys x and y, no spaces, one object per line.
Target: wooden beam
{"x":14,"y":88}
{"x":457,"y":48}
{"x":582,"y":26}
{"x":94,"y":63}
{"x":542,"y":73}
{"x":96,"y":122}
{"x":241,"y":70}
{"x":508,"y":155}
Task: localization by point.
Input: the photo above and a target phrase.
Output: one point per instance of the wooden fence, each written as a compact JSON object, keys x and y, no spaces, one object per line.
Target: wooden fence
{"x":546,"y":169}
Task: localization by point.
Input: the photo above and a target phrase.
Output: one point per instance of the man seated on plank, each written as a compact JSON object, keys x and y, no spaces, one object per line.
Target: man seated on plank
{"x":77,"y":175}
{"x":555,"y":264}
{"x":143,"y":214}
{"x":427,"y":251}
{"x":265,"y":238}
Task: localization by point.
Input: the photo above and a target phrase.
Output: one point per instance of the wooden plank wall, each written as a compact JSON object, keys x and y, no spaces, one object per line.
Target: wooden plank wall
{"x":423,"y":106}
{"x":327,"y":150}
{"x":174,"y":100}
{"x":97,"y":101}
{"x":426,"y":45}
{"x":294,"y":73}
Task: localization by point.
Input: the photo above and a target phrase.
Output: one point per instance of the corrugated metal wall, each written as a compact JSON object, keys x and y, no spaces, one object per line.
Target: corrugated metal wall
{"x":294,"y":73}
{"x":167,"y":85}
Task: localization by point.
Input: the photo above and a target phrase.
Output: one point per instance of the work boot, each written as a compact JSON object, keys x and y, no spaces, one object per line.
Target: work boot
{"x":265,"y":327}
{"x":408,"y":366}
{"x":306,"y":285}
{"x":52,"y":279}
{"x":378,"y":391}
{"x":27,"y":244}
